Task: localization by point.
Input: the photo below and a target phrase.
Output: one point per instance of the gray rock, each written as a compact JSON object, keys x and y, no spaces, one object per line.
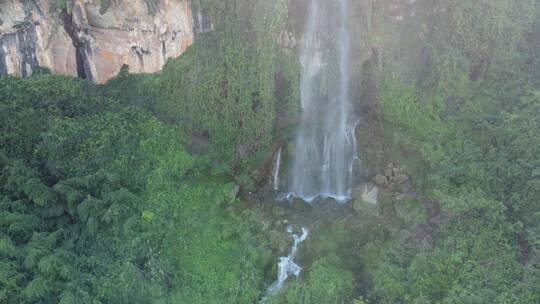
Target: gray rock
{"x":366,"y":199}
{"x":401,"y":178}
{"x":299,"y":204}
{"x":381,"y":180}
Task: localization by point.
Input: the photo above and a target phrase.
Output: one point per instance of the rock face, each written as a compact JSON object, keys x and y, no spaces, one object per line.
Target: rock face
{"x":90,"y":40}
{"x":132,"y":32}
{"x":32,"y":35}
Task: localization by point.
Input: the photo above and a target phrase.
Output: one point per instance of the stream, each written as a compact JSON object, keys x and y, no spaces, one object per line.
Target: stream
{"x":286,"y":265}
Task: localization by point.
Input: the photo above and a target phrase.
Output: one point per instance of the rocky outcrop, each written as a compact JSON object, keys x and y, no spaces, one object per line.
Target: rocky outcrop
{"x":393,"y":175}
{"x":87,"y":39}
{"x":366,"y":199}
{"x":32,"y":35}
{"x":132,"y":32}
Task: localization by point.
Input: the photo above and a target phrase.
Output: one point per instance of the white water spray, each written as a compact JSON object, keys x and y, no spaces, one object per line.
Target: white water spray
{"x":325,"y":148}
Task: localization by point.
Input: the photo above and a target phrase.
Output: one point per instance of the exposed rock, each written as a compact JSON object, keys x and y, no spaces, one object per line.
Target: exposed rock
{"x":201,"y":21}
{"x":401,"y":178}
{"x":130,"y":33}
{"x":389,"y":172}
{"x":90,"y":42}
{"x":381,"y":180}
{"x":32,"y":35}
{"x":366,"y":199}
{"x":299,"y":204}
{"x":370,"y":194}
{"x":393,"y":174}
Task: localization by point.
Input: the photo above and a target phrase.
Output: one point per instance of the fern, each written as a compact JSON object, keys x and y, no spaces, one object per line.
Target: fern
{"x":39,"y":193}
{"x":37,"y":289}
{"x":8,"y":248}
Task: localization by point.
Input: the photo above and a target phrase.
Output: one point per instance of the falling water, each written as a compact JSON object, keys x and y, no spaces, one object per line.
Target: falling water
{"x":276,"y":171}
{"x":286,"y":265}
{"x":325,"y":148}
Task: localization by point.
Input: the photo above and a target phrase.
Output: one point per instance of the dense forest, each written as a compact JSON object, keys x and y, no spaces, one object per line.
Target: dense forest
{"x":142,"y":190}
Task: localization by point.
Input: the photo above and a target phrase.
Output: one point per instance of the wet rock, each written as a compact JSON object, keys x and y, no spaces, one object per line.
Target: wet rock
{"x":299,"y":204}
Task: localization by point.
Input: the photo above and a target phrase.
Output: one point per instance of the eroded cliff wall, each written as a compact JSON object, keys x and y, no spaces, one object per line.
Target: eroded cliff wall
{"x":88,"y":39}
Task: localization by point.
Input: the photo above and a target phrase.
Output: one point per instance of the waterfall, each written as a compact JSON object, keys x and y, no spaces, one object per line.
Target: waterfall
{"x":325,"y":148}
{"x":276,"y":170}
{"x":286,"y":265}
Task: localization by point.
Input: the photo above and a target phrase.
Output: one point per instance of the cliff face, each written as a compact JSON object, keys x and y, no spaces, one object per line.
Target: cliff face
{"x":90,"y":40}
{"x":30,"y":37}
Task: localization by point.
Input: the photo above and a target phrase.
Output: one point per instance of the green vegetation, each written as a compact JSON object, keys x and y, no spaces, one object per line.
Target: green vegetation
{"x":466,"y":119}
{"x":101,"y":202}
{"x":127,"y":192}
{"x":325,"y":284}
{"x":222,"y":91}
{"x":474,"y":118}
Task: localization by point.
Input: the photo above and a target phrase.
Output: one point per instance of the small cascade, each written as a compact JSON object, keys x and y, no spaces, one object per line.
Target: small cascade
{"x":286,"y":265}
{"x":276,"y":171}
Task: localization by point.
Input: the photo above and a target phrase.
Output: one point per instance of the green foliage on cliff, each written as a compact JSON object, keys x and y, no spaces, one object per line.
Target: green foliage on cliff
{"x":222,"y":91}
{"x":473,"y":115}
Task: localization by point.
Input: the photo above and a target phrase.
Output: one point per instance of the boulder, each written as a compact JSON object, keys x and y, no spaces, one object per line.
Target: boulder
{"x":370,"y":194}
{"x":380,"y":180}
{"x":389,"y":172}
{"x":401,"y":178}
{"x":366,"y":199}
{"x":299,"y":204}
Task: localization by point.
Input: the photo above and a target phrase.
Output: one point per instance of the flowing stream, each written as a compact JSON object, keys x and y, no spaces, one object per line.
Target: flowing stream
{"x":286,"y":265}
{"x":325,"y":148}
